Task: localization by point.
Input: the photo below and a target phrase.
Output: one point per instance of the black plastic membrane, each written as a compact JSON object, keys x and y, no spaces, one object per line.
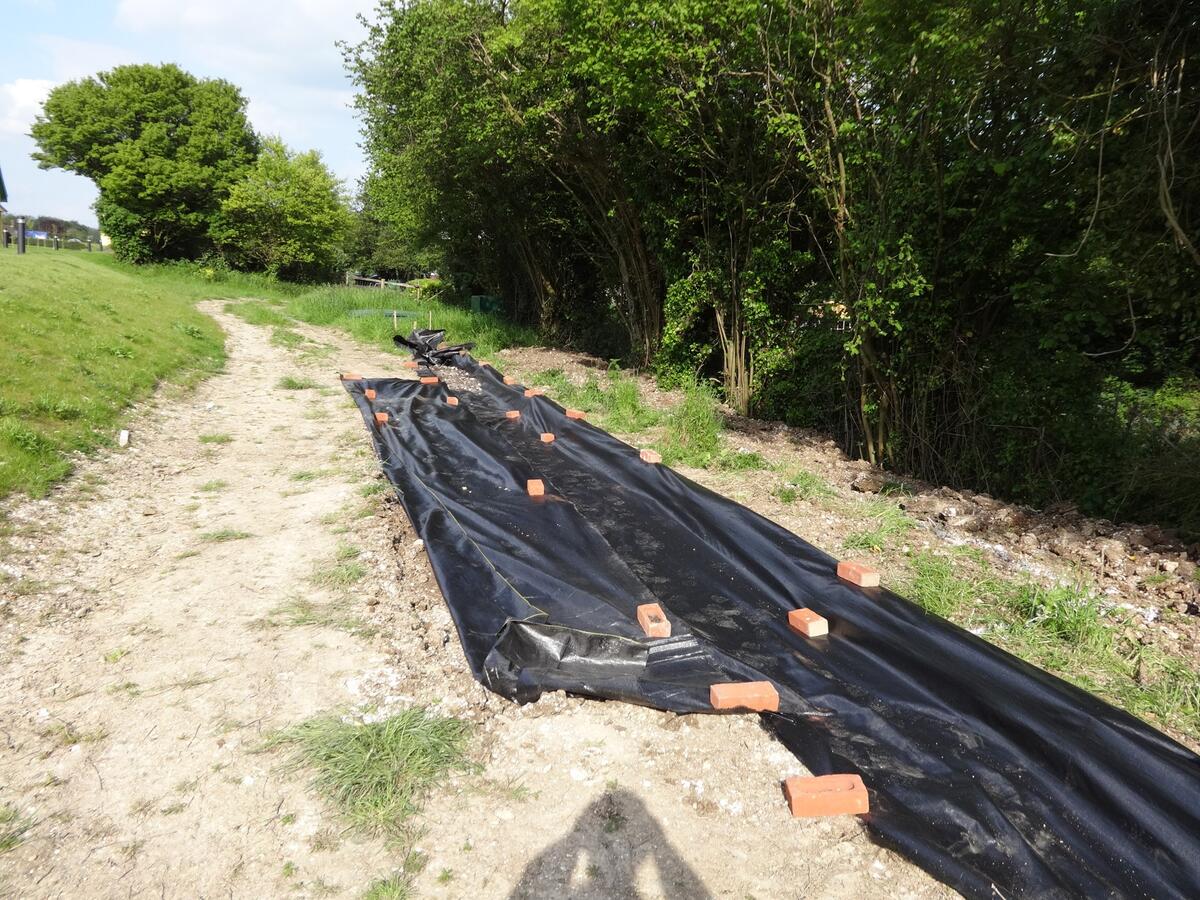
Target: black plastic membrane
{"x":994,"y":776}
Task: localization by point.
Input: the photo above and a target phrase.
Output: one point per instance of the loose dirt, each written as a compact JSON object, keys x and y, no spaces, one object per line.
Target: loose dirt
{"x":151,"y":635}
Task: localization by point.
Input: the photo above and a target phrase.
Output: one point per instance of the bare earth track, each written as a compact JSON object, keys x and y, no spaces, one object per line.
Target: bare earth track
{"x":150,"y":637}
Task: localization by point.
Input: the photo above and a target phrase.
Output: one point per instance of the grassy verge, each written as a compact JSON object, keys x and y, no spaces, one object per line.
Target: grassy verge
{"x":1064,"y":630}
{"x":85,"y":337}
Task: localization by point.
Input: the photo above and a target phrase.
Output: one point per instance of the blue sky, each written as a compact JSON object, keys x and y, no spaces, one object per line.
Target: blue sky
{"x":281,"y":53}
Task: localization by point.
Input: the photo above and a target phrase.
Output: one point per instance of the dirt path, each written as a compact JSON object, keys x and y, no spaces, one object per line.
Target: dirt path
{"x":167,"y":611}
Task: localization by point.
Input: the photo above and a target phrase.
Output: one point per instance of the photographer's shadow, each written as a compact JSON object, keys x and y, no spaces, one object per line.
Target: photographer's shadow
{"x":605,"y":854}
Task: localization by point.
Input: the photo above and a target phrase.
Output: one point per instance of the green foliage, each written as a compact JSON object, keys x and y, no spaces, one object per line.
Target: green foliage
{"x":962,"y":242}
{"x":377,"y":773}
{"x":285,"y":216}
{"x":162,"y":146}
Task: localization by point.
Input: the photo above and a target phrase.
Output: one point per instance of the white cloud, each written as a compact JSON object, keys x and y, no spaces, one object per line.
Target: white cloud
{"x":20,"y":102}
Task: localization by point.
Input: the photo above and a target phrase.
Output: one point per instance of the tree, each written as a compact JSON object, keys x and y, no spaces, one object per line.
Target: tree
{"x":162,"y":146}
{"x":286,"y":216}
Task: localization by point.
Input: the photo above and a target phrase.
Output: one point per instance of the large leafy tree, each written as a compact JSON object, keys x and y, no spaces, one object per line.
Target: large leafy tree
{"x":162,"y":146}
{"x":286,"y":216}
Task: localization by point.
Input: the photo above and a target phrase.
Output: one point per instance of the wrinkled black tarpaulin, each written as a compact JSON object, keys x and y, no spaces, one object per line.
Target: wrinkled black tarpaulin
{"x":425,"y":346}
{"x":991,"y":774}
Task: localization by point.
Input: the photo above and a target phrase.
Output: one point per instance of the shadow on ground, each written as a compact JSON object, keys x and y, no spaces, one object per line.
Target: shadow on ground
{"x":615,"y":849}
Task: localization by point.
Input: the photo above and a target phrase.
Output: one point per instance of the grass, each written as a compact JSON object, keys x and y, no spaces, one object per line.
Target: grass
{"x":394,"y":887}
{"x":339,"y":575}
{"x":113,"y":333}
{"x":887,"y":521}
{"x":13,"y":827}
{"x":215,"y":438}
{"x":299,"y":612}
{"x":332,"y":306}
{"x":212,"y":487}
{"x":1064,"y":630}
{"x":804,"y":485}
{"x":377,"y":773}
{"x":291,"y":383}
{"x":614,"y":400}
{"x":223,"y":535}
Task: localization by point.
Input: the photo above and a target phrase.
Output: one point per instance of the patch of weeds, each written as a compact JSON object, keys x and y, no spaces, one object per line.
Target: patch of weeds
{"x":256,"y":313}
{"x":128,"y":688}
{"x":289,"y":869}
{"x":187,"y":554}
{"x":215,"y":438}
{"x":287,"y":819}
{"x":173,"y":810}
{"x":286,"y":337}
{"x":786,"y":494}
{"x":324,"y":841}
{"x":377,"y":773}
{"x":804,"y":485}
{"x":395,"y":887}
{"x":693,"y":429}
{"x":895,"y":489}
{"x":308,"y":475}
{"x":614,"y":399}
{"x":887,"y":520}
{"x":340,"y":575}
{"x":1064,"y":612}
{"x":115,"y":656}
{"x":13,"y":827}
{"x":1156,"y":578}
{"x":63,"y":734}
{"x":142,"y":808}
{"x":373,"y":488}
{"x":211,"y":487}
{"x":593,"y":871}
{"x":291,"y":383}
{"x":223,"y":535}
{"x":739,"y":461}
{"x":445,"y":876}
{"x":1061,"y":629}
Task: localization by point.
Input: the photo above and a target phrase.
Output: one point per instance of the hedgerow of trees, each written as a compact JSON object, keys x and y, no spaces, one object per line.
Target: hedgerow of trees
{"x":959,"y":234}
{"x":182,"y":175}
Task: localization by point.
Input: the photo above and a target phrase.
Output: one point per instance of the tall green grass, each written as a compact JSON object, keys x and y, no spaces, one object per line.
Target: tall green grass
{"x":613,"y":400}
{"x":333,"y":305}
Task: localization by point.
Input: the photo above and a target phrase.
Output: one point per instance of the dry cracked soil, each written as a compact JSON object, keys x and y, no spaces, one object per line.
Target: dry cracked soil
{"x":163,"y":612}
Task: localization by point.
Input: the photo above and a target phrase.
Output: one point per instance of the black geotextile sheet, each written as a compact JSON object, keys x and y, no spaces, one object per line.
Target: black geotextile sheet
{"x":994,"y":776}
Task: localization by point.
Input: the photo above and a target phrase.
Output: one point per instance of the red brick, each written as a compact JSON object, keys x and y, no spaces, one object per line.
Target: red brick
{"x":547,"y":437}
{"x":535,"y":488}
{"x":453,"y":401}
{"x":351,"y":376}
{"x":759,"y":696}
{"x":410,"y":364}
{"x":808,"y":623}
{"x":429,"y":379}
{"x":858,"y":573}
{"x":827,"y":795}
{"x":513,"y":414}
{"x":369,"y":393}
{"x":381,"y":418}
{"x":575,"y":414}
{"x":508,"y":379}
{"x":650,"y":456}
{"x":656,"y":625}
{"x":534,"y":392}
